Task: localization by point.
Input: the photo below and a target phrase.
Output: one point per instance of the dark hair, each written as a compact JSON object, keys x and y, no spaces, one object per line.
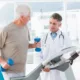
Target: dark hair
{"x":56,"y":16}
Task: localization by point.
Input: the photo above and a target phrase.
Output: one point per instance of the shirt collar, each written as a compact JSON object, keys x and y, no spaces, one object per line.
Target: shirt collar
{"x":58,"y":32}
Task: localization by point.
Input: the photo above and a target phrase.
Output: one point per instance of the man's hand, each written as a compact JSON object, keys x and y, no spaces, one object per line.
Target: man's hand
{"x":37,"y":44}
{"x":5,"y":65}
{"x":46,"y":69}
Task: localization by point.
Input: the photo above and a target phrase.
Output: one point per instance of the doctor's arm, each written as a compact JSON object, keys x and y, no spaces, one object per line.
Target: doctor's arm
{"x":67,"y":41}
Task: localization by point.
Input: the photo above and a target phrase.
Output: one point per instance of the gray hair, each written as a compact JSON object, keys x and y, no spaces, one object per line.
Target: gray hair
{"x":23,"y":9}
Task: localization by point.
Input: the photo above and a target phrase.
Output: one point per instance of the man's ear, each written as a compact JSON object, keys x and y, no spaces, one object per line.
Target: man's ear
{"x":60,"y":24}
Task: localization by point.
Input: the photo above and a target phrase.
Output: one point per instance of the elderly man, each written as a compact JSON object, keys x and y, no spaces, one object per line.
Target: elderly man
{"x":14,"y":43}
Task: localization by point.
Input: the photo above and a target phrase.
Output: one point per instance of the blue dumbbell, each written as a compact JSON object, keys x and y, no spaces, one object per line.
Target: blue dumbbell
{"x":37,"y":40}
{"x":10,"y":62}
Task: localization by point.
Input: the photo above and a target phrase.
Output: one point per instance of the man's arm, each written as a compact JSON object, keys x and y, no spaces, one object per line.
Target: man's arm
{"x":32,"y":45}
{"x":3,"y":36}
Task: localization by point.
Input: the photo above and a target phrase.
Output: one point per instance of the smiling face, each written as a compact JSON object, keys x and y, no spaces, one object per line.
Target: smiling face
{"x":54,"y":25}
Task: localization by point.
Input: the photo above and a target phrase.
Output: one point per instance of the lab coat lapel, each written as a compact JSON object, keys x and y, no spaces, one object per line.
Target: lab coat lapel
{"x":54,"y":45}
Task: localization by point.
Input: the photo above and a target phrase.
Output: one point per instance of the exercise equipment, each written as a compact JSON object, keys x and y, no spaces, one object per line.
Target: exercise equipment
{"x":10,"y":62}
{"x":37,"y":40}
{"x":56,"y":62}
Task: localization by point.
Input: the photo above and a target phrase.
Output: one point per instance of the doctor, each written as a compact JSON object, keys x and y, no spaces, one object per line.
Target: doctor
{"x":52,"y":43}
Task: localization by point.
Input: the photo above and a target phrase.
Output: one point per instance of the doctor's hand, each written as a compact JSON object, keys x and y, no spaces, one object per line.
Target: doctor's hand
{"x":46,"y":69}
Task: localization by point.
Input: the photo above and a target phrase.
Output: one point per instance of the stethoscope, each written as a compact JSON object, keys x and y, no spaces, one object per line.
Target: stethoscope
{"x":61,"y":39}
{"x":61,"y":36}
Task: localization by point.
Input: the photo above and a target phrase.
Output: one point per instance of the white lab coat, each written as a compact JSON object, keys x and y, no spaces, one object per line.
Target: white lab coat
{"x":51,"y":48}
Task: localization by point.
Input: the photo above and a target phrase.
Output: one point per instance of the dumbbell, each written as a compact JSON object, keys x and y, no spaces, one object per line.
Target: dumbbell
{"x":9,"y":62}
{"x":37,"y":49}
